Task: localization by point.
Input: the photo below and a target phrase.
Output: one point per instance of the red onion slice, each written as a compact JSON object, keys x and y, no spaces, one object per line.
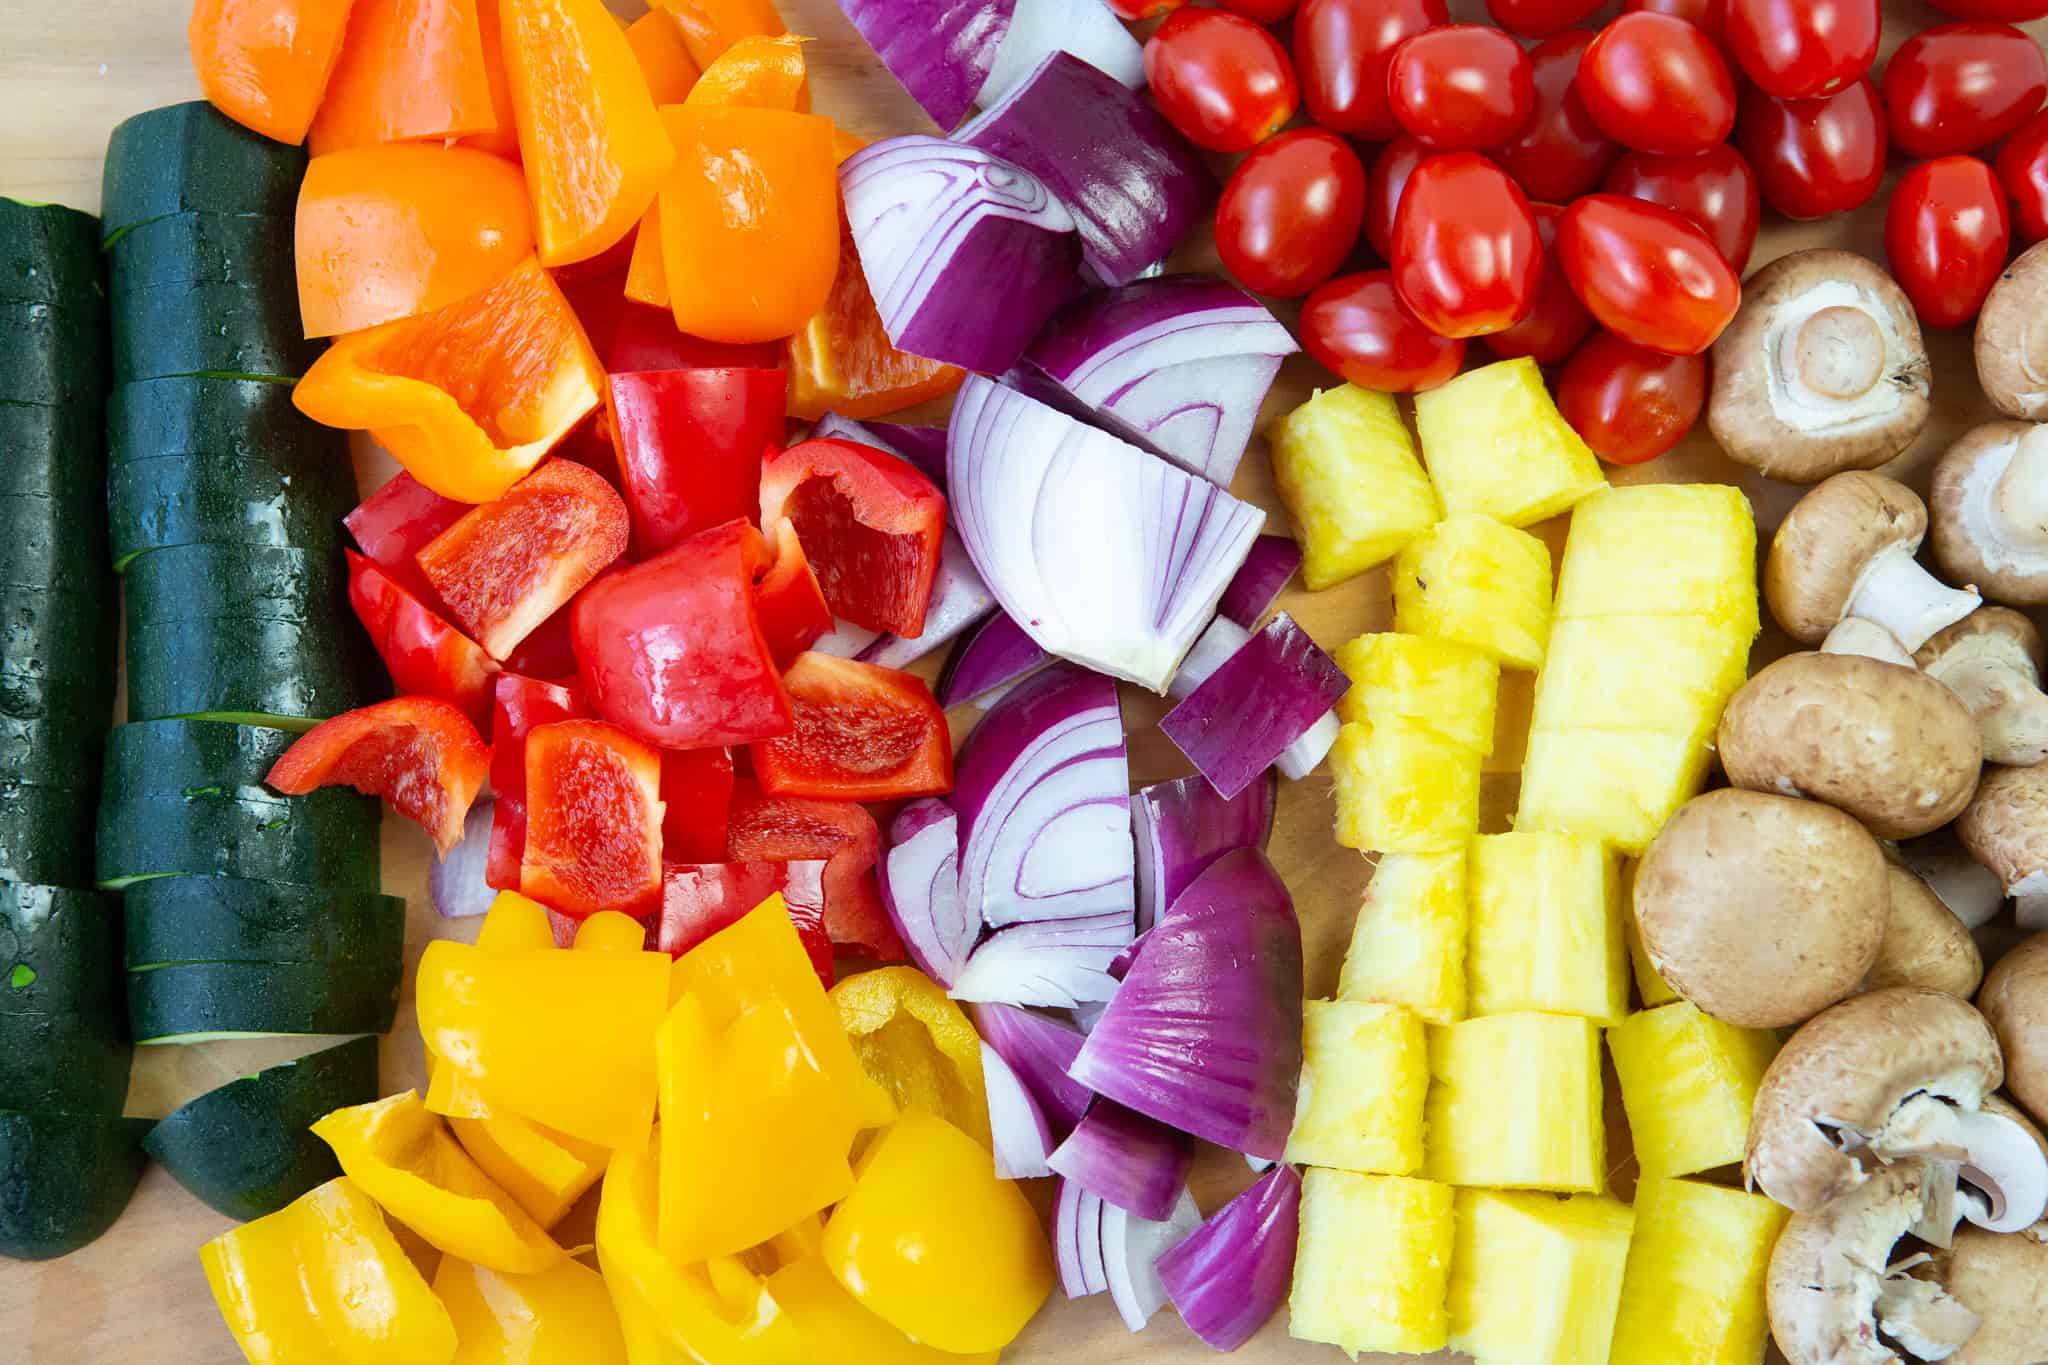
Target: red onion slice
{"x":1077,"y":1241}
{"x":959,"y":601}
{"x":1059,"y":963}
{"x":1259,"y":702}
{"x":1267,"y":570}
{"x":921,"y":889}
{"x":940,"y":50}
{"x":1039,"y":28}
{"x":1039,"y":1049}
{"x":1023,"y":1139}
{"x":1182,"y":827}
{"x":1131,"y":1248}
{"x":1126,"y":1159}
{"x":457,"y":881}
{"x":991,"y":659}
{"x":1232,"y":1274}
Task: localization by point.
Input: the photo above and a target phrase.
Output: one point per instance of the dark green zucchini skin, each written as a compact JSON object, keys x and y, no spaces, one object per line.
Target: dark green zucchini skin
{"x":63,"y":1007}
{"x":52,"y":452}
{"x":169,"y":1003}
{"x":46,"y":834}
{"x":201,"y":500}
{"x":216,"y":418}
{"x":191,"y":757}
{"x":292,"y":674}
{"x":328,"y":838}
{"x":249,"y":249}
{"x":70,"y":1063}
{"x":167,"y":330}
{"x":245,"y":1148}
{"x":51,"y":254}
{"x":187,"y":157}
{"x":255,"y":582}
{"x":56,"y":752}
{"x":64,"y":1179}
{"x":54,"y":353}
{"x":53,"y":542}
{"x":218,"y":919}
{"x":56,"y":653}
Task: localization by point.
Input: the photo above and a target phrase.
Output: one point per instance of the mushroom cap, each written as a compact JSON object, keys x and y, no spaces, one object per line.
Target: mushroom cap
{"x":1827,"y":541}
{"x":1761,"y":910}
{"x":1969,"y":542}
{"x":1997,"y":631}
{"x":1889,"y":745}
{"x":1822,"y":370}
{"x":2006,"y":825}
{"x":2003,"y":1278}
{"x":2012,"y":338}
{"x":1992,"y":661}
{"x":2015,"y":1001}
{"x":1829,"y":1266}
{"x":1852,"y":1067}
{"x":1924,"y":943}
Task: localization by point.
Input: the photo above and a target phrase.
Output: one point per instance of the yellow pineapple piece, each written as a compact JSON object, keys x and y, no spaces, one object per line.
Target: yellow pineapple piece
{"x":1472,"y":579}
{"x":1546,"y":927}
{"x":1348,"y":472}
{"x":1364,"y":1076}
{"x":1688,"y":1082}
{"x":1662,"y":550}
{"x":1515,"y":1103}
{"x":1373,"y":1263}
{"x":1651,"y":987}
{"x":1670,"y":673}
{"x":1693,"y":1293}
{"x":1616,"y":785}
{"x":1408,"y":945}
{"x":1450,"y":688}
{"x":1536,"y":1280}
{"x":1404,"y":789}
{"x":1495,"y":444}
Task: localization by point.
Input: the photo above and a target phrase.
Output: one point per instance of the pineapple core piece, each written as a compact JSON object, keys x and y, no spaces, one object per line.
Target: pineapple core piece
{"x":1672,"y":674}
{"x":1439,"y":684}
{"x":1546,"y":927}
{"x":1515,"y":1103}
{"x":1496,"y":444}
{"x":1662,"y":550}
{"x":1693,"y":1293}
{"x":1364,"y":1076}
{"x":1404,"y":789}
{"x":1536,"y":1280}
{"x":1688,"y":1082}
{"x":1373,"y":1263}
{"x":1616,"y":785}
{"x":1477,"y":581}
{"x":1408,"y":946}
{"x":1348,"y":472}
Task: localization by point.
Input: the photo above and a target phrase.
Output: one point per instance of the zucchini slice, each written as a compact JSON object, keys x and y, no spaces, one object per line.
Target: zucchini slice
{"x":328,"y":838}
{"x":51,"y":254}
{"x":202,"y":1001}
{"x":218,"y":919}
{"x":46,"y":835}
{"x":226,"y":500}
{"x":255,"y":582}
{"x":218,"y":419}
{"x":291,"y":674}
{"x":187,"y":758}
{"x":63,"y":1008}
{"x":205,"y":248}
{"x":62,"y":750}
{"x":190,"y":156}
{"x":72,"y":1063}
{"x":64,"y":1179}
{"x":54,"y":354}
{"x":167,"y":330}
{"x":52,"y":452}
{"x":58,"y":543}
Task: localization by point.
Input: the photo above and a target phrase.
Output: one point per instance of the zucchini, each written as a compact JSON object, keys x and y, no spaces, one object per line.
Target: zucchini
{"x":246,"y":1149}
{"x":190,"y":156}
{"x":202,"y":1001}
{"x":328,"y":838}
{"x":46,"y":835}
{"x":205,"y":248}
{"x":256,"y":582}
{"x":167,"y":330}
{"x":51,"y":254}
{"x":219,"y":419}
{"x":226,"y":500}
{"x":191,"y":758}
{"x":52,"y":452}
{"x":292,"y":674}
{"x":63,"y":1007}
{"x":52,"y":353}
{"x":59,"y":751}
{"x":56,"y":652}
{"x":58,"y":543}
{"x":72,"y":1063}
{"x":64,"y":1179}
{"x":218,"y":919}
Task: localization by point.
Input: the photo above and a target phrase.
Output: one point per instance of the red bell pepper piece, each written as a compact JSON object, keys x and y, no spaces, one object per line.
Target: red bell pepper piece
{"x":396,"y":522}
{"x":631,"y":336}
{"x":420,"y":754}
{"x":870,"y":523}
{"x":593,"y":820}
{"x":508,"y":844}
{"x":518,"y":705}
{"x":696,"y":795}
{"x":791,"y":604}
{"x":671,"y":649}
{"x":862,"y":733}
{"x":548,"y":653}
{"x":690,"y":447}
{"x":788,"y":828}
{"x":425,"y":655}
{"x":699,"y":899}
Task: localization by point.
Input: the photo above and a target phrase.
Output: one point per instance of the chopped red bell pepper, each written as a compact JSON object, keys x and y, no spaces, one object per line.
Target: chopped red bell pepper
{"x":788,"y":828}
{"x":424,"y":654}
{"x":861,"y":733}
{"x":593,"y":820}
{"x":870,"y":523}
{"x":508,"y":843}
{"x":672,"y":651}
{"x":690,"y":446}
{"x":420,"y":754}
{"x":518,"y":705}
{"x":696,"y":795}
{"x":396,"y":522}
{"x":631,"y":336}
{"x":792,"y":605}
{"x":699,"y":899}
{"x":549,"y":653}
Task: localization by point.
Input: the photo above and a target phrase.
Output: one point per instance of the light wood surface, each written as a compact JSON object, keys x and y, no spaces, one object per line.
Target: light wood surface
{"x":71,"y":69}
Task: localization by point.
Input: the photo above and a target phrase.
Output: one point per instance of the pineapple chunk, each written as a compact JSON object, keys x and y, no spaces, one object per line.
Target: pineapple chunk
{"x":1693,"y":1293}
{"x":1408,"y":946}
{"x":1688,"y":1082}
{"x":1347,"y":470}
{"x":1670,"y":673}
{"x":1546,"y":927}
{"x":1515,"y":1103}
{"x":1404,"y":789}
{"x":1651,"y":987}
{"x":1616,"y":785}
{"x":1495,"y":444}
{"x":1474,"y":580}
{"x":1662,"y":550}
{"x":1536,"y":1280}
{"x":1373,"y":1263}
{"x":1364,"y":1076}
{"x":1451,"y":688}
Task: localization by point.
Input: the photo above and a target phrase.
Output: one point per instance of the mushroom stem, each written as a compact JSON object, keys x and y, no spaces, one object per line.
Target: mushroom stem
{"x":2010,"y":707}
{"x":1922,"y":1317}
{"x":2004,"y":1173}
{"x":2020,"y":502}
{"x":1911,"y":603}
{"x":1855,"y":635}
{"x":1968,"y":888}
{"x":2030,"y":902}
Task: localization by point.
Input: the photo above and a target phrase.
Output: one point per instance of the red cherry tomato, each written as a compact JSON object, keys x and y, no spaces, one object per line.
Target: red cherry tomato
{"x":1631,"y":404}
{"x":1384,"y":186}
{"x":1716,"y":189}
{"x":1557,"y":322}
{"x":1344,"y":48}
{"x":1144,"y":9}
{"x":1656,"y":83}
{"x":1647,"y":272}
{"x":1946,"y":235}
{"x":1260,"y":11}
{"x":2023,"y":169}
{"x":1357,"y":327}
{"x":1961,"y":87}
{"x":1291,"y":212}
{"x":1560,"y":152}
{"x":1219,"y":78}
{"x":1539,"y":18}
{"x":1466,"y":255}
{"x":1814,"y":158}
{"x":1708,"y":16}
{"x":1803,"y":49}
{"x":2004,"y":11}
{"x":1461,"y":87}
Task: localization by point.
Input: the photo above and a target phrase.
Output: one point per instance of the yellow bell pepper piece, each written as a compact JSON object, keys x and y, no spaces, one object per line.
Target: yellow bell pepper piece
{"x":613,"y":932}
{"x":842,"y":1331}
{"x":546,"y":1171}
{"x":562,"y":1316}
{"x":323,"y":1282}
{"x":916,"y":1044}
{"x":450,"y":1094}
{"x":515,"y":921}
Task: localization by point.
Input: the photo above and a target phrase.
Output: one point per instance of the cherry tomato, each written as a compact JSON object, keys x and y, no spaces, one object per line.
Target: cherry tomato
{"x":1656,"y":83}
{"x":1716,"y":189}
{"x":1708,"y":16}
{"x":1260,"y":11}
{"x":1558,"y":322}
{"x":1466,"y":255}
{"x":1384,"y":186}
{"x":1539,"y":18}
{"x":1560,"y":152}
{"x":1814,"y":158}
{"x":1631,"y":404}
{"x":2005,"y":11}
{"x":1344,"y":48}
{"x":1803,"y":49}
{"x":1961,"y":87}
{"x":1291,"y":212}
{"x":1946,"y":235}
{"x":1219,"y":78}
{"x":1461,"y":87}
{"x":1144,"y":9}
{"x":1647,"y":272}
{"x":1357,"y":327}
{"x":2023,"y":170}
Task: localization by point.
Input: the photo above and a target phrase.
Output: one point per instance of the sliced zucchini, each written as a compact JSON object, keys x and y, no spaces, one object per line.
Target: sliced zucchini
{"x":53,"y":452}
{"x":167,"y":330}
{"x":186,"y":758}
{"x":52,"y":353}
{"x":56,"y":652}
{"x":328,"y":838}
{"x":203,"y":1001}
{"x":226,"y":500}
{"x":64,"y":1179}
{"x":60,"y":950}
{"x":72,"y":1063}
{"x":58,"y":751}
{"x":255,"y":582}
{"x":49,"y":542}
{"x":46,"y":835}
{"x":50,"y":253}
{"x":190,"y":156}
{"x":250,"y":249}
{"x":219,"y":419}
{"x":291,"y":674}
{"x":218,"y":919}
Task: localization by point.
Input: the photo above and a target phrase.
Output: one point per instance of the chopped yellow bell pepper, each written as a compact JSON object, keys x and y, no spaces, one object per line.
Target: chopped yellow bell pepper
{"x":515,"y":921}
{"x":610,"y":930}
{"x":544,"y":1170}
{"x":450,"y":1094}
{"x":562,"y":1316}
{"x":916,"y":1044}
{"x":842,"y":1331}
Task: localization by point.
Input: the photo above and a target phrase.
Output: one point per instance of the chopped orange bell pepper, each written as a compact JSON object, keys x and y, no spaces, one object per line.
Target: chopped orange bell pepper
{"x":841,"y":360}
{"x":502,"y":140}
{"x":756,"y":73}
{"x":561,"y":1316}
{"x":408,"y":69}
{"x":841,"y":1330}
{"x":657,"y":43}
{"x":469,"y":397}
{"x":592,"y":142}
{"x":711,"y":26}
{"x":845,"y":144}
{"x":646,"y":273}
{"x":916,"y":1044}
{"x":266,"y":63}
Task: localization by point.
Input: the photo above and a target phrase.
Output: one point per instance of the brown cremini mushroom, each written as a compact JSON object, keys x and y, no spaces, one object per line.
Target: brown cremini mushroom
{"x":2003,"y":1281}
{"x":1867,"y":639}
{"x":2012,"y":339}
{"x":2006,"y":829}
{"x":1969,"y":889}
{"x":2015,"y":1002}
{"x":1989,"y":512}
{"x":1992,"y":659}
{"x":1924,"y":943}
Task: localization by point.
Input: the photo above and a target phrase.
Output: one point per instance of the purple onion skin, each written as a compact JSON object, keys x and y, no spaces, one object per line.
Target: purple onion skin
{"x":1039,"y":1049}
{"x":1126,"y":1159}
{"x":1264,"y":697}
{"x":940,"y":50}
{"x":1184,"y":825}
{"x":1229,"y":1276}
{"x":1258,"y":585}
{"x":995,"y":654}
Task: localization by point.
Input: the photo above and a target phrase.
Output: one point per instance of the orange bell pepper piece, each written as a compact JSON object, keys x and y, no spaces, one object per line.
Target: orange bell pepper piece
{"x":266,"y":63}
{"x":502,"y":140}
{"x":758,"y":73}
{"x":749,"y":221}
{"x":711,"y":26}
{"x":408,"y":69}
{"x":589,"y":134}
{"x":646,"y":274}
{"x":469,"y":397}
{"x":657,"y":45}
{"x":841,"y":360}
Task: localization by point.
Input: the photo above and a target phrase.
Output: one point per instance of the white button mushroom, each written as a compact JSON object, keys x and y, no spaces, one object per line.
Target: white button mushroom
{"x":2012,"y":339}
{"x":1990,"y":512}
{"x":2015,"y":1001}
{"x":1924,"y":943}
{"x":1992,"y":660}
{"x":2006,"y":829}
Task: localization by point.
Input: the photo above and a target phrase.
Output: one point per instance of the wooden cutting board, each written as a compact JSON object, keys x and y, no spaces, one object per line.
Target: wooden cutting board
{"x":71,"y":69}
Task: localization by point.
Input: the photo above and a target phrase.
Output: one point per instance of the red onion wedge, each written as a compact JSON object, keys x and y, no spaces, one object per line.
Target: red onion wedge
{"x":1057,"y":963}
{"x":1039,"y":1049}
{"x":1131,"y":1248}
{"x":1260,"y":582}
{"x":847,"y":640}
{"x":457,"y":881}
{"x":1023,"y":1139}
{"x":1232,"y":1274}
{"x":921,"y":888}
{"x":1077,"y":1241}
{"x":1216,"y":647}
{"x":1128,"y":1160}
{"x":1182,"y":827}
{"x":991,"y":659}
{"x":924,"y":447}
{"x":1264,"y":698}
{"x":940,"y":50}
{"x":1039,"y":28}
{"x":959,"y":601}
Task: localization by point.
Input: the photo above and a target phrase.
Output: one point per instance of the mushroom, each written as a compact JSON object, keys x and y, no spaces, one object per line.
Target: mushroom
{"x":1889,"y":745}
{"x":2006,"y":829}
{"x":1854,"y":635}
{"x":1761,"y":910}
{"x":1846,"y":549}
{"x":2015,"y":1002}
{"x":1989,"y":502}
{"x":1992,"y":659}
{"x":2003,"y":1281}
{"x":2012,"y":339}
{"x":1967,"y":887}
{"x":1924,"y":943}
